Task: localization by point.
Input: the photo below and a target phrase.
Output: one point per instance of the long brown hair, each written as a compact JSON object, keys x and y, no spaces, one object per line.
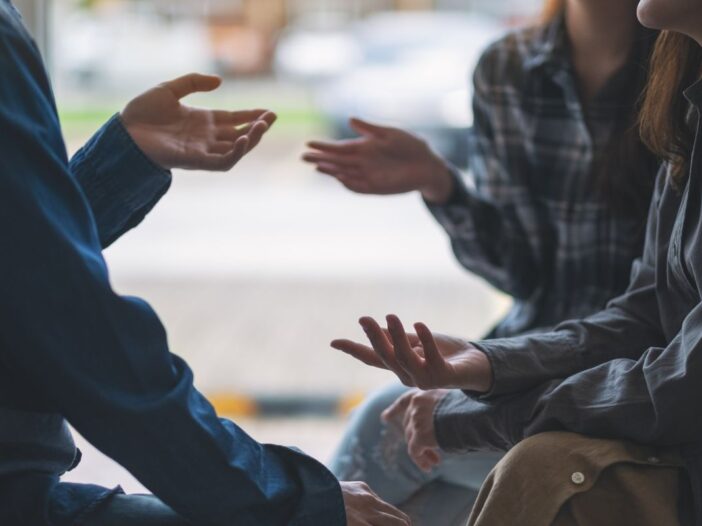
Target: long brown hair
{"x":552,"y":9}
{"x":665,"y":128}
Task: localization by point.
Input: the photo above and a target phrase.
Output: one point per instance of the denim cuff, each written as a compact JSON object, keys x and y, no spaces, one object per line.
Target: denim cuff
{"x":120,"y":182}
{"x":321,"y":501}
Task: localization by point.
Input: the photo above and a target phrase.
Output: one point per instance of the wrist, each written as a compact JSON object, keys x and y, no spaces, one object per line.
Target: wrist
{"x":480,"y":379}
{"x":440,"y":184}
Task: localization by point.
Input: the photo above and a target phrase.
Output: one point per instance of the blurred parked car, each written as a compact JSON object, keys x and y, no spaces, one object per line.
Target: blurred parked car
{"x":98,"y":49}
{"x":407,"y":69}
{"x":317,"y":47}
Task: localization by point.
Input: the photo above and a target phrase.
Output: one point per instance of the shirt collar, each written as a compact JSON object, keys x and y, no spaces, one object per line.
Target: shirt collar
{"x":694,"y":93}
{"x":550,"y":45}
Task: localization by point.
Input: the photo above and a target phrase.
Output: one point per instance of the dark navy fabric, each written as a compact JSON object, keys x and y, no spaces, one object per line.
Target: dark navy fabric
{"x":73,"y":349}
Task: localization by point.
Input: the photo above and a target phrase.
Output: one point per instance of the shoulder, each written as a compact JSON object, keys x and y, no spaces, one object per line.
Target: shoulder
{"x":504,"y":62}
{"x":11,"y":25}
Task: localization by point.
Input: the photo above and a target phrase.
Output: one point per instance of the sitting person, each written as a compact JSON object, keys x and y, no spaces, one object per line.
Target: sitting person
{"x":73,"y":350}
{"x":603,"y":411}
{"x":556,"y":217}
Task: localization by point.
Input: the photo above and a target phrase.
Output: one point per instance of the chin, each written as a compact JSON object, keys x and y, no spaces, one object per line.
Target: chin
{"x":650,"y":13}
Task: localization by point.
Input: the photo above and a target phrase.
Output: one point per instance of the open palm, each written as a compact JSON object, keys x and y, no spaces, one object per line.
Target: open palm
{"x":424,"y":360}
{"x":380,"y":161}
{"x":174,"y":135}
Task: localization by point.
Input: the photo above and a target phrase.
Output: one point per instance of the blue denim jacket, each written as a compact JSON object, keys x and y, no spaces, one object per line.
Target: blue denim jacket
{"x":73,"y":350}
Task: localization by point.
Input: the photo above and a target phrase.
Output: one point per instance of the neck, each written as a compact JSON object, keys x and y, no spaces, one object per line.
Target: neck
{"x":602,"y":33}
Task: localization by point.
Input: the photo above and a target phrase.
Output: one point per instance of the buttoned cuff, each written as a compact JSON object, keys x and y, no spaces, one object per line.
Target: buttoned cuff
{"x":120,"y":182}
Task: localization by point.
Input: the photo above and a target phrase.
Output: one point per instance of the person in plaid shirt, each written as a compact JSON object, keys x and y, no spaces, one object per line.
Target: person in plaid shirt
{"x":553,"y":215}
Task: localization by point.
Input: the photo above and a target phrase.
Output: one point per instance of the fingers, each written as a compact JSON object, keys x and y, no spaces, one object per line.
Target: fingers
{"x":253,"y":131}
{"x":192,"y":83}
{"x":221,"y":147}
{"x":223,"y":162}
{"x":431,"y":351}
{"x":258,"y":129}
{"x":426,"y":458}
{"x":360,"y":352}
{"x":330,"y":169}
{"x":396,"y":518}
{"x":367,"y":129}
{"x":345,"y":147}
{"x":365,"y":508}
{"x":237,"y":118}
{"x":384,"y":349}
{"x":329,"y":158}
{"x":387,"y":514}
{"x":410,"y":361}
{"x":413,"y":339}
{"x":398,"y":409}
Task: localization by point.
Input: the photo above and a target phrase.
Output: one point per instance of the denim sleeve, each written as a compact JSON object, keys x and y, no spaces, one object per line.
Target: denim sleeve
{"x":493,"y":226}
{"x":101,"y":359}
{"x":120,"y":182}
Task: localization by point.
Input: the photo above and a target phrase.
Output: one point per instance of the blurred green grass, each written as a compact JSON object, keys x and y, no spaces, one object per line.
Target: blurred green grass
{"x":81,"y":123}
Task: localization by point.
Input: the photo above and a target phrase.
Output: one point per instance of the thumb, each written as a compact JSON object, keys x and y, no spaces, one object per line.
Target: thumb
{"x":192,"y":83}
{"x":366,"y":128}
{"x":397,"y":409}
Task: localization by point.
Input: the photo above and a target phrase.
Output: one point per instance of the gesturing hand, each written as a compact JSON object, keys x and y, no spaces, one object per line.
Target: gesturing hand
{"x":383,"y":161}
{"x":365,"y":508}
{"x":177,"y":136}
{"x":413,"y":413}
{"x":422,"y":360}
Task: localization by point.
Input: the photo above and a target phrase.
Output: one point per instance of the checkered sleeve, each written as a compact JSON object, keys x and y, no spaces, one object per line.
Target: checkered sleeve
{"x":492,"y":224}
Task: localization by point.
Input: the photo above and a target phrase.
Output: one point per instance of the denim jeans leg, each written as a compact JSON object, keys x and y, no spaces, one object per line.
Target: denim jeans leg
{"x":135,"y":510}
{"x":377,"y":454}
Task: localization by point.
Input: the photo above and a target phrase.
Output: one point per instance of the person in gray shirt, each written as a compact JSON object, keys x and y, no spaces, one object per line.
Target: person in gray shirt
{"x":627,"y":373}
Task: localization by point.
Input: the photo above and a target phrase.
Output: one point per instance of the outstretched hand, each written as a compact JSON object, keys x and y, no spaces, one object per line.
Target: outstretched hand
{"x":422,"y":360}
{"x":383,"y":161}
{"x":174,"y":135}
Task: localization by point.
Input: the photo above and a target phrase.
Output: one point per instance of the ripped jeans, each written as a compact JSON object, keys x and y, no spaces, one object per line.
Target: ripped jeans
{"x":376,"y":454}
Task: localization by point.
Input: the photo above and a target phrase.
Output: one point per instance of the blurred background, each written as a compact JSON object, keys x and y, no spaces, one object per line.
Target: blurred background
{"x":255,"y":272}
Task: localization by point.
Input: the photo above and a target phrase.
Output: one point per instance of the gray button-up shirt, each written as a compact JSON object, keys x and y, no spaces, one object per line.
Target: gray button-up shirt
{"x":632,"y":371}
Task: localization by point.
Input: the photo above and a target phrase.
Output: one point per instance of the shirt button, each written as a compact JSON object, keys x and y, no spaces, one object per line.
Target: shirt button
{"x":654,"y":460}
{"x":577,"y":478}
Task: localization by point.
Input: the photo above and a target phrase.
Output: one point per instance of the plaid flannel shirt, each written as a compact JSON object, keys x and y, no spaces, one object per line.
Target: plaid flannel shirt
{"x":532,"y":222}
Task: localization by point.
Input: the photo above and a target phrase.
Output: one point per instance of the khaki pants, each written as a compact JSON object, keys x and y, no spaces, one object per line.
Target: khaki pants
{"x":564,"y":479}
